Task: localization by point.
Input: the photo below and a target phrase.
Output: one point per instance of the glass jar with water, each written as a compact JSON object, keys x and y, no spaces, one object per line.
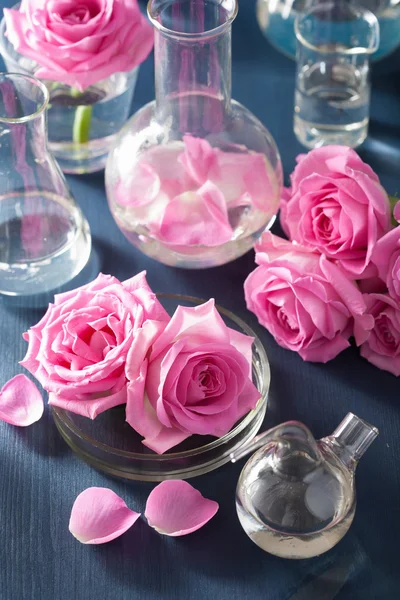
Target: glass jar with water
{"x":334,"y":43}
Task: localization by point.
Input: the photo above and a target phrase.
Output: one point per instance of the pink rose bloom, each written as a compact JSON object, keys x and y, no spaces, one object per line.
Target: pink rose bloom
{"x":193,"y":378}
{"x":337,"y":207}
{"x":382,"y":348}
{"x":304,"y":300}
{"x":79,"y":348}
{"x":80,"y":43}
{"x":386,"y":256}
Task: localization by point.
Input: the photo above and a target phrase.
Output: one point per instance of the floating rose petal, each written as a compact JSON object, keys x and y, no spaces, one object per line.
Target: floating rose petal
{"x":176,"y":508}
{"x":196,"y":218}
{"x":21,"y":403}
{"x":99,"y":516}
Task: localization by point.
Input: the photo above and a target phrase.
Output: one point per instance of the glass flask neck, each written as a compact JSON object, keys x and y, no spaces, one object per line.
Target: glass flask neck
{"x":193,"y":63}
{"x":23,"y":103}
{"x":351,"y":439}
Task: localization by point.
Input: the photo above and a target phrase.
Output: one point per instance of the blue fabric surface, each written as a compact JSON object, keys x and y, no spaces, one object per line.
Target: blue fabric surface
{"x":40,"y":476}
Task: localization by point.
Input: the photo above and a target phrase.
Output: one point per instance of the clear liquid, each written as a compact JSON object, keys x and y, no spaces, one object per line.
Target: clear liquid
{"x":299,"y":513}
{"x":44,"y":242}
{"x":332,"y":104}
{"x":110,"y":101}
{"x":247,"y":223}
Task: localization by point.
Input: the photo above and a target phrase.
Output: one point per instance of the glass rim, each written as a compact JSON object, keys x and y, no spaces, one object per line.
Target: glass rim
{"x":33,"y":81}
{"x":356,"y":50}
{"x":200,"y":35}
{"x":246,"y":420}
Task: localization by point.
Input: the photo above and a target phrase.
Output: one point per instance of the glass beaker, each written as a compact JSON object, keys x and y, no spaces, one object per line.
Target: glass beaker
{"x":295,"y":497}
{"x":276,"y":19}
{"x":194,"y":178}
{"x":334,"y":43}
{"x":44,"y":238}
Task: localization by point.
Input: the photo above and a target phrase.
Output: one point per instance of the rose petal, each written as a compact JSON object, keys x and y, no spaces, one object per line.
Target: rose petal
{"x":99,"y":516}
{"x":21,"y":403}
{"x":176,"y":508}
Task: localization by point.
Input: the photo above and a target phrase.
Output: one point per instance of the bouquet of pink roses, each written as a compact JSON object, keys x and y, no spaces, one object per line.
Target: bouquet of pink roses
{"x":339,"y":275}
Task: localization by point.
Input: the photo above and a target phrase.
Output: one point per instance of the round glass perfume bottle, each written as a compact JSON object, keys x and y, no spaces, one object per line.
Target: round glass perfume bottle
{"x":44,"y":238}
{"x":295,"y":496}
{"x":193,"y":178}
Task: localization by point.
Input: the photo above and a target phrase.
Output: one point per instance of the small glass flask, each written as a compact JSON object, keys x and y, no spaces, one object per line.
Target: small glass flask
{"x":44,"y":238}
{"x":194,"y":178}
{"x":295,"y":496}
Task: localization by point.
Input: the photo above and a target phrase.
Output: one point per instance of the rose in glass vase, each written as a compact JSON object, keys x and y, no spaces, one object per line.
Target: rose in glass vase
{"x":88,"y":55}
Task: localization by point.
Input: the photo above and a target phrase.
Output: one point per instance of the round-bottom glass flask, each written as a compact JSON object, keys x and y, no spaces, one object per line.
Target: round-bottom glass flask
{"x":193,"y":178}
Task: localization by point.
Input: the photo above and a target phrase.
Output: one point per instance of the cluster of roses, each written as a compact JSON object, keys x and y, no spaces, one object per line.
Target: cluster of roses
{"x":110,"y":343}
{"x":339,"y":275}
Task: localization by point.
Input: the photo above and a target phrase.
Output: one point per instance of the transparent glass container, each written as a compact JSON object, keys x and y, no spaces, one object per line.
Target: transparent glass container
{"x":335,"y":41}
{"x":296,"y":497}
{"x":276,"y":19}
{"x":81,"y":125}
{"x":193,"y":178}
{"x":44,"y":238}
{"x":109,"y":444}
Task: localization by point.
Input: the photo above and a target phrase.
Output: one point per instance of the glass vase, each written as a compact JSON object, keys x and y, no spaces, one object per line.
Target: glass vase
{"x":44,"y":238}
{"x":276,"y":19}
{"x":193,"y":178}
{"x":81,"y":125}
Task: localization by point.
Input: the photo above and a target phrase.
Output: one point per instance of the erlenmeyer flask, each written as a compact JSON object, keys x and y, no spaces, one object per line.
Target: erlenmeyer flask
{"x":44,"y":238}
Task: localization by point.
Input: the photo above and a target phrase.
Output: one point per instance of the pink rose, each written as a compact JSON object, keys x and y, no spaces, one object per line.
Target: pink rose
{"x":386,"y":256}
{"x":80,"y":43}
{"x":338,"y":207}
{"x":382,"y":348}
{"x":78,"y":350}
{"x":304,"y":300}
{"x":196,"y":378}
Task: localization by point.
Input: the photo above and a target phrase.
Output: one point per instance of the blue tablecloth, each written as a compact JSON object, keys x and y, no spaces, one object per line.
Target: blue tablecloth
{"x":40,"y":476}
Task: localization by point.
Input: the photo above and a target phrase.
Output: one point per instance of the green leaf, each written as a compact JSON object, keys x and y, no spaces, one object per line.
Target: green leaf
{"x":81,"y":128}
{"x":393,"y":201}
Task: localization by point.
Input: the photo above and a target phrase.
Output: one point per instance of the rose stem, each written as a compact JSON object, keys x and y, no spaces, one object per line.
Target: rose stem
{"x":82,"y":120}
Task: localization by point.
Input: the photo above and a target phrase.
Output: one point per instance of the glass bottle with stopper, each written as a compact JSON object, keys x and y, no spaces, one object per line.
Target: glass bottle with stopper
{"x":295,"y":496}
{"x":194,"y":178}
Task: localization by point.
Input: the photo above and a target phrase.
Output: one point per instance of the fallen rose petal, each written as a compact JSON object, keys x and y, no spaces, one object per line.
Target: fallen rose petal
{"x":176,"y":508}
{"x":21,"y":403}
{"x":99,"y":516}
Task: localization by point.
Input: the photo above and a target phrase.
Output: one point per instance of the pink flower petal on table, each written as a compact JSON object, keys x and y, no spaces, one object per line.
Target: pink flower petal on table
{"x":99,"y":516}
{"x":21,"y":403}
{"x":176,"y":508}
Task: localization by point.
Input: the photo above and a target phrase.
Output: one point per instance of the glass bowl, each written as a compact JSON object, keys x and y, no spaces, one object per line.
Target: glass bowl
{"x":109,"y":444}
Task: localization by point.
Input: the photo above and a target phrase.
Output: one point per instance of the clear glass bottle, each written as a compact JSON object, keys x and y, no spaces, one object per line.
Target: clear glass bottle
{"x":276,"y":19}
{"x":194,"y":178}
{"x":81,"y":125}
{"x":296,"y":497}
{"x":335,"y":41}
{"x":44,"y":238}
